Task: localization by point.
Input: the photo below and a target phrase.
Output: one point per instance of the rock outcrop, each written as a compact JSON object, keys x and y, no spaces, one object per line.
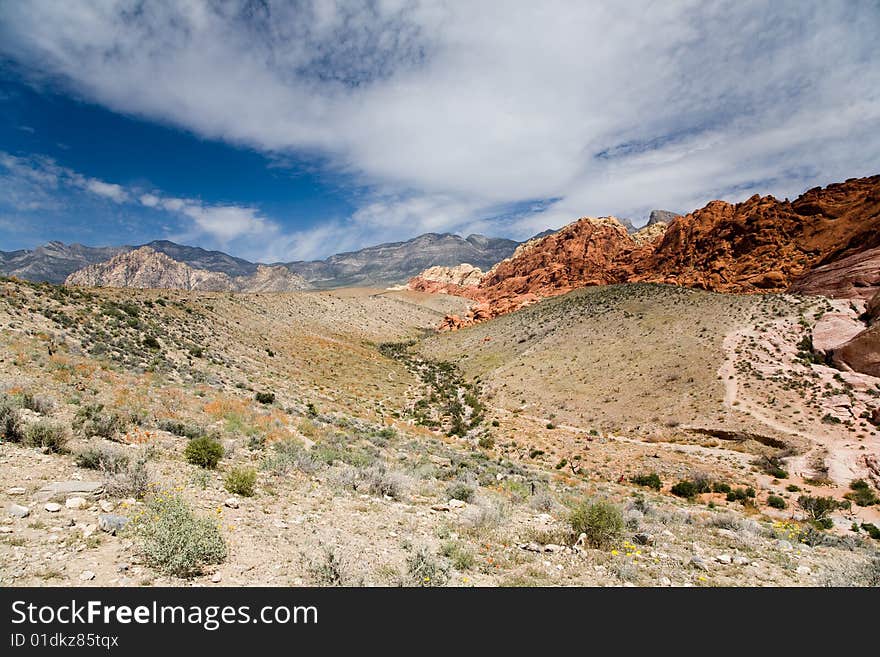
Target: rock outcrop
{"x":661,"y":217}
{"x":459,"y":280}
{"x":861,"y":354}
{"x":759,"y":245}
{"x":146,"y":268}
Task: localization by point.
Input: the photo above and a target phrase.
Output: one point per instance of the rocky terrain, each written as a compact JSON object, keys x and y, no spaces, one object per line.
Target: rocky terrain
{"x":146,"y":268}
{"x":823,"y":242}
{"x":54,"y":261}
{"x":331,"y":438}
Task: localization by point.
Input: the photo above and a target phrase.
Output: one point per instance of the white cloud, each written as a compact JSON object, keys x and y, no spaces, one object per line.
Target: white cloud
{"x":108,"y":190}
{"x":456,"y":111}
{"x":149,"y":200}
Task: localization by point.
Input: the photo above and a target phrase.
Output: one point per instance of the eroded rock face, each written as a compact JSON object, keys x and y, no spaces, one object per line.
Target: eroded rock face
{"x":447,"y":280}
{"x":854,"y":277}
{"x":833,"y":330}
{"x":873,"y":310}
{"x":759,"y":245}
{"x":861,"y":354}
{"x":146,"y":268}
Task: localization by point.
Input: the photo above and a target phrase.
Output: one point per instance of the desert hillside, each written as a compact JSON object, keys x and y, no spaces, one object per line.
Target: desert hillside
{"x":332,"y":438}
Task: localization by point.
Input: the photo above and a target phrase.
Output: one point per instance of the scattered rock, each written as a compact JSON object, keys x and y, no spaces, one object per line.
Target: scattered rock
{"x":52,"y":507}
{"x":86,"y":576}
{"x":76,"y":503}
{"x":724,"y":558}
{"x":88,"y":530}
{"x":61,"y":490}
{"x":643,"y":538}
{"x":111,"y":523}
{"x":231,"y":502}
{"x":456,"y":504}
{"x":803,"y":570}
{"x":19,"y":511}
{"x":106,"y":506}
{"x":699,"y":564}
{"x":784,"y":545}
{"x":16,"y":490}
{"x":531,"y":547}
{"x":552,"y":547}
{"x":665,"y":581}
{"x":741,"y":561}
{"x":216,"y":577}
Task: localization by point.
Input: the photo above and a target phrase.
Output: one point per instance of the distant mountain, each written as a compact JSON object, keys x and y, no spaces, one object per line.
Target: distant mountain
{"x":150,"y":269}
{"x":55,"y":261}
{"x":385,"y":264}
{"x":397,"y":262}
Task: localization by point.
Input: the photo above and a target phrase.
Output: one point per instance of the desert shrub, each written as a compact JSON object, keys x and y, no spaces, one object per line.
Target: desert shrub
{"x":776,"y":502}
{"x":204,"y":452}
{"x":872,"y":530}
{"x":174,"y":539}
{"x":265,"y":397}
{"x":651,"y":480}
{"x":36,"y":403}
{"x":179,"y":428}
{"x":131,"y":481}
{"x":11,"y":426}
{"x":240,"y":481}
{"x":46,"y":435}
{"x":721,"y":487}
{"x":817,"y":509}
{"x":793,"y":488}
{"x":459,"y":555}
{"x":684,"y":488}
{"x":460,"y":491}
{"x":112,"y":461}
{"x":150,"y":342}
{"x":773,"y":466}
{"x":289,"y":455}
{"x":423,"y":569}
{"x":380,"y":481}
{"x":861,"y":493}
{"x":486,"y":441}
{"x":741,"y":494}
{"x":93,"y":420}
{"x":601,"y":521}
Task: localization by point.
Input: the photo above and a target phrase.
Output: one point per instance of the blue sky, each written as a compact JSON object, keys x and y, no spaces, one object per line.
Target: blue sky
{"x":293,"y":130}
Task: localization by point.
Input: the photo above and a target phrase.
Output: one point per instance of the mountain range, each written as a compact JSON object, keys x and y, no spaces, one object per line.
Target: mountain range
{"x":382,"y":265}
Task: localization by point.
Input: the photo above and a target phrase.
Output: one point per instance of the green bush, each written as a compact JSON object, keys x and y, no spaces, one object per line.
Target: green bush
{"x":793,"y":488}
{"x":817,"y":509}
{"x":861,"y":493}
{"x":773,"y":466}
{"x":741,"y":494}
{"x":240,"y":481}
{"x":460,"y":556}
{"x":204,"y":452}
{"x":151,"y":342}
{"x":776,"y":502}
{"x":132,"y":480}
{"x":423,"y":570}
{"x":685,"y":488}
{"x":174,"y":539}
{"x":460,"y":491}
{"x":265,"y":397}
{"x":486,"y":441}
{"x":721,"y":487}
{"x":872,"y":529}
{"x":601,"y":521}
{"x":651,"y":480}
{"x":46,"y":435}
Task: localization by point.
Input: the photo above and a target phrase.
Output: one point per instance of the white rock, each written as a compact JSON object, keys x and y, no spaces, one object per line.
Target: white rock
{"x":456,"y":504}
{"x":231,"y":502}
{"x":665,"y":581}
{"x":216,"y":577}
{"x":724,"y":558}
{"x":19,"y":511}
{"x":106,"y":506}
{"x":803,"y":570}
{"x":88,"y":530}
{"x":86,"y":575}
{"x":16,"y":490}
{"x":76,"y":503}
{"x":741,"y":561}
{"x":52,"y":507}
{"x":5,"y":529}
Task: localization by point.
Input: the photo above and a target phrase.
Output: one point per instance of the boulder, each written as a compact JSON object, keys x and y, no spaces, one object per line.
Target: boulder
{"x":833,"y":330}
{"x":861,"y":353}
{"x":18,"y":511}
{"x":112,"y":523}
{"x":873,"y":310}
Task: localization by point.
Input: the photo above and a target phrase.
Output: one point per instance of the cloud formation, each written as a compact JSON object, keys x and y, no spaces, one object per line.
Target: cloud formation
{"x":453,"y":113}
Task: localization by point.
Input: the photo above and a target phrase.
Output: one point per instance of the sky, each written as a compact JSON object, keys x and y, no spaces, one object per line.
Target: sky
{"x":280,"y":131}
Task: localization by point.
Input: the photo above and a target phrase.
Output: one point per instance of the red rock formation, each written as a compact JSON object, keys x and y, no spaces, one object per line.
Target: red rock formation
{"x":824,"y":242}
{"x":861,"y":354}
